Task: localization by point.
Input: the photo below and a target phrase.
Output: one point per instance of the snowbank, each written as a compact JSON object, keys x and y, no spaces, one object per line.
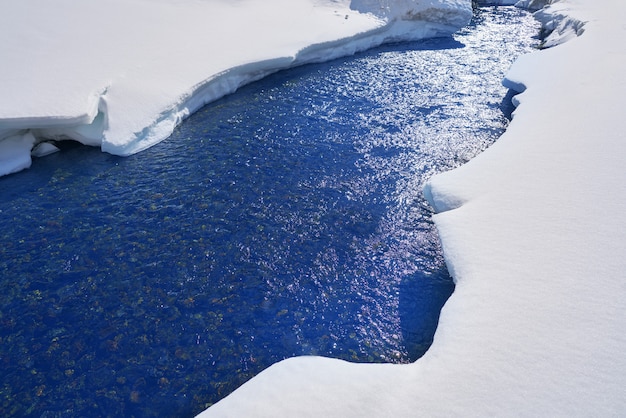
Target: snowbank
{"x":121,"y":74}
{"x":533,"y":233}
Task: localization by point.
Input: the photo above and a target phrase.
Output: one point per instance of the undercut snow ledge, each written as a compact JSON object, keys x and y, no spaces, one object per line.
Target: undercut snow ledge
{"x":121,"y":74}
{"x":231,"y":80}
{"x":534,"y":236}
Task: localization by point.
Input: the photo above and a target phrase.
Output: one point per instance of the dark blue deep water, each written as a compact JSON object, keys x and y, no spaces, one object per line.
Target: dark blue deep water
{"x":284,"y":220}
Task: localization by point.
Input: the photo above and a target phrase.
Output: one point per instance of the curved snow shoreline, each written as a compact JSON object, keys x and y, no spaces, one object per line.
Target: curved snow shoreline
{"x":232,"y":79}
{"x":532,"y":231}
{"x":126,"y":89}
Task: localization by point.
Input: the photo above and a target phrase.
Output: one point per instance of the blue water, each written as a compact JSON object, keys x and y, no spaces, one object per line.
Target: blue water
{"x":284,"y":220}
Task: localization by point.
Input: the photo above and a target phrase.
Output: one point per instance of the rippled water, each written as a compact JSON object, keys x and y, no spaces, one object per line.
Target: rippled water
{"x":284,"y":220}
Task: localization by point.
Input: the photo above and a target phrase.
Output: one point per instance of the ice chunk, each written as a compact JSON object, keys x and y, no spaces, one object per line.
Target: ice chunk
{"x":44,"y":148}
{"x":15,"y":153}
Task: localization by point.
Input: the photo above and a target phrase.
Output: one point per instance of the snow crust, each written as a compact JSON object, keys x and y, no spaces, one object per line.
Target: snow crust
{"x":121,"y":74}
{"x":533,"y":234}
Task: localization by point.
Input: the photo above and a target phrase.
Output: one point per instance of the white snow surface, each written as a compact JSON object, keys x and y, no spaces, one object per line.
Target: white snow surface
{"x":121,"y":74}
{"x":534,"y":234}
{"x":15,"y":152}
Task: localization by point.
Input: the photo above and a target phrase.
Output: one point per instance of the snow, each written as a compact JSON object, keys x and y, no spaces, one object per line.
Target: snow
{"x":15,"y":152}
{"x":121,"y":74}
{"x":533,"y":234}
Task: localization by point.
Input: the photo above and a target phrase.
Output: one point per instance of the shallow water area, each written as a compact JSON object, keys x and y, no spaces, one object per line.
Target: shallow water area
{"x":286,"y":219}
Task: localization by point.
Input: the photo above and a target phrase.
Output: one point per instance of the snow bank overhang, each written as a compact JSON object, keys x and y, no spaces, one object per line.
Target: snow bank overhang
{"x":561,"y":22}
{"x":72,"y":74}
{"x":453,"y":14}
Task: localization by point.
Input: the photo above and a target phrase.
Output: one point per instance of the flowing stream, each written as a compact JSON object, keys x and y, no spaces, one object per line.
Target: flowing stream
{"x":284,"y":220}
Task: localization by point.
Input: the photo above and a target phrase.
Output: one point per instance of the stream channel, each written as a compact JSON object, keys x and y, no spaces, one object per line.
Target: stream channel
{"x":286,"y":219}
